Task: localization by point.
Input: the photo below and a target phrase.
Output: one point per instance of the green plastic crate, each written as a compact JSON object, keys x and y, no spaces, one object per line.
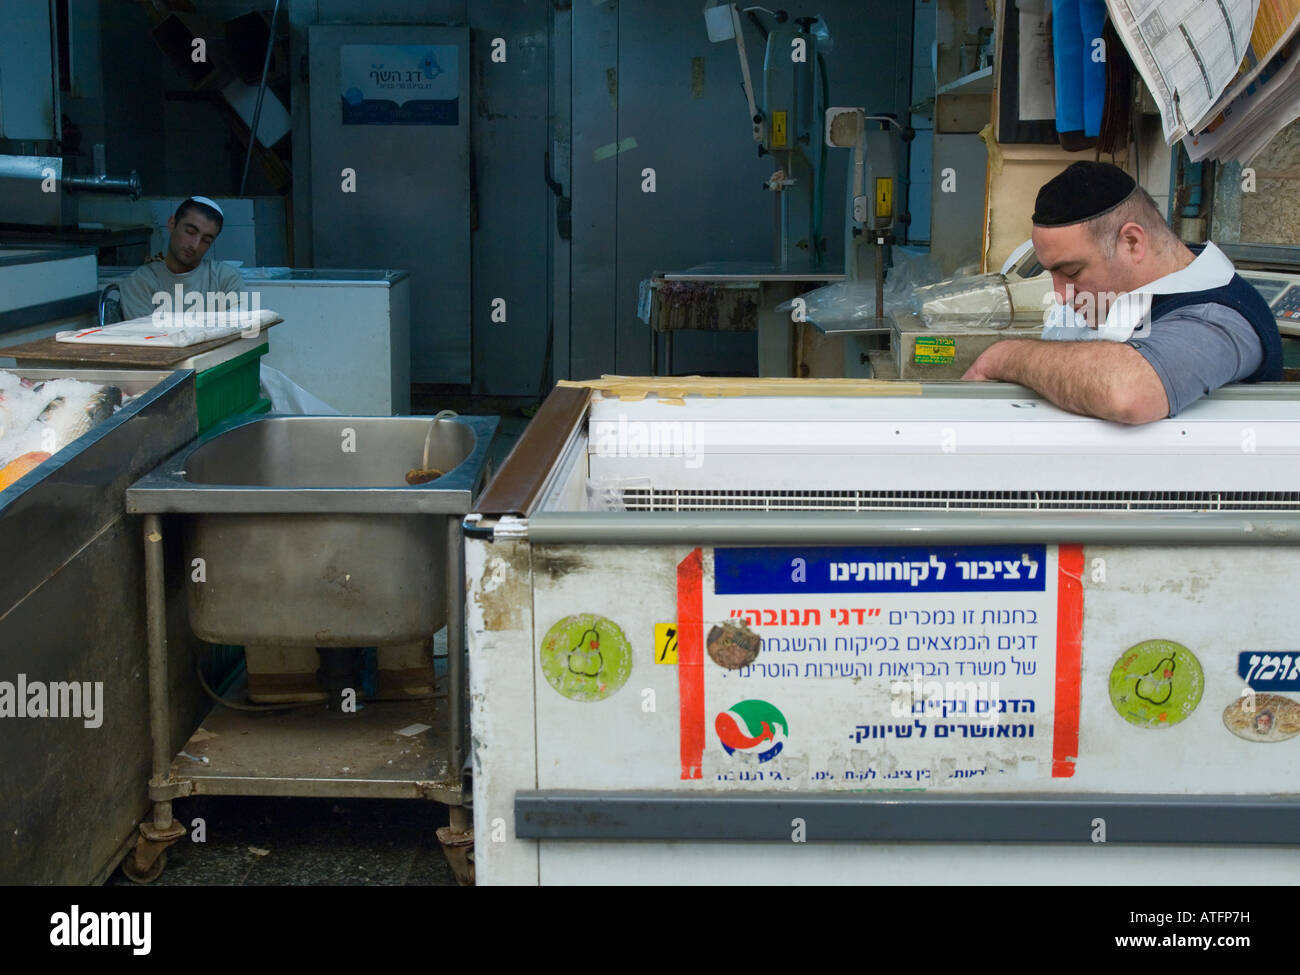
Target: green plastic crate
{"x":232,"y":387}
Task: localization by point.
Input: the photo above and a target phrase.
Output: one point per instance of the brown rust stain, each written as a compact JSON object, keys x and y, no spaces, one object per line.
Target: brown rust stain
{"x":697,"y":77}
{"x":504,"y":594}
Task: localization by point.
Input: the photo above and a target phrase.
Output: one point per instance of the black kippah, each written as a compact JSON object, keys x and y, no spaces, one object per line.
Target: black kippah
{"x":1083,"y":191}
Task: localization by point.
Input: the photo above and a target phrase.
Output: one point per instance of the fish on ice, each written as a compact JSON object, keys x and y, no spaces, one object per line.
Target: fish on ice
{"x":68,"y":422}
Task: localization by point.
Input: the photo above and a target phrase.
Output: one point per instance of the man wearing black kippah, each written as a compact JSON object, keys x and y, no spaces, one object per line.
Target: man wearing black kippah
{"x":1175,"y":322}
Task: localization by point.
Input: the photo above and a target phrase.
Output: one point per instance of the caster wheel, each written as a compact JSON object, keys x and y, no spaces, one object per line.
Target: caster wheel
{"x":149,"y":876}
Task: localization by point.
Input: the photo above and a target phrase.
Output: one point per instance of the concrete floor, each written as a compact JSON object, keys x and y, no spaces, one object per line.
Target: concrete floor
{"x":291,"y":842}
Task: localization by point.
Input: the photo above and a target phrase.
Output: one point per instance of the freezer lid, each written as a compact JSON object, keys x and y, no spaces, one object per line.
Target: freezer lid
{"x":532,"y":462}
{"x":850,"y":447}
{"x":836,"y":452}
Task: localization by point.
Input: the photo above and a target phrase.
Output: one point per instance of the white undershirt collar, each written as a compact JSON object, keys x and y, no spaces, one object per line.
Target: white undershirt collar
{"x":1130,"y":314}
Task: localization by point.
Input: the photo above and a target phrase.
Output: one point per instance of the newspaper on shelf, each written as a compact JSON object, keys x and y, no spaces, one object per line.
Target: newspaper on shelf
{"x":1264,"y":99}
{"x":1187,"y":51}
{"x":1275,"y":26}
{"x":1250,"y":121}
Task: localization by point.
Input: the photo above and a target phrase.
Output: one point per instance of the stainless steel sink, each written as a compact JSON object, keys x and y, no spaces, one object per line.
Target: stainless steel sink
{"x":308,"y":533}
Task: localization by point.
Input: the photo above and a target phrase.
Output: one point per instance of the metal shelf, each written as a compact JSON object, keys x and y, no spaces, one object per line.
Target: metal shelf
{"x":315,"y":752}
{"x":976,"y":83}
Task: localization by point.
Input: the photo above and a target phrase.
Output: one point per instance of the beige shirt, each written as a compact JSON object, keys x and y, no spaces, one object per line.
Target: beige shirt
{"x":141,"y":285}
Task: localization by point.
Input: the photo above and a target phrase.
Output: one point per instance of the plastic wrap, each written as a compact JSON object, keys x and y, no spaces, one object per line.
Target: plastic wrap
{"x":976,"y":301}
{"x":286,"y":396}
{"x":847,"y":303}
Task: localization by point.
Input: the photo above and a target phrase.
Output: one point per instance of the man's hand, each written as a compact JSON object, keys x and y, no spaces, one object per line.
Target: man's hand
{"x":1109,"y":380}
{"x":985,"y":367}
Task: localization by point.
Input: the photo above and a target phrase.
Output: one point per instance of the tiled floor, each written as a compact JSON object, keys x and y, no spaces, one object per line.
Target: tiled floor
{"x":257,"y":841}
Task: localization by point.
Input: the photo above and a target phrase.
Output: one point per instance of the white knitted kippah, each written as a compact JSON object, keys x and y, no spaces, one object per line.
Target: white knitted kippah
{"x":208,"y":203}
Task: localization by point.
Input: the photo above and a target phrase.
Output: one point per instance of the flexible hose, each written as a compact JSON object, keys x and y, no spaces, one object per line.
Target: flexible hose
{"x":424,"y":473}
{"x":428,"y":438}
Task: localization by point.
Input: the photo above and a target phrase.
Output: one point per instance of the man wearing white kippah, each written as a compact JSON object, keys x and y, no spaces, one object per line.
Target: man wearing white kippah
{"x":193,"y":228}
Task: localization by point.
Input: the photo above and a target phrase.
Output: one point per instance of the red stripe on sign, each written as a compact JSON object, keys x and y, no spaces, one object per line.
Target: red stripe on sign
{"x":1069,"y":659}
{"x":690,"y":661}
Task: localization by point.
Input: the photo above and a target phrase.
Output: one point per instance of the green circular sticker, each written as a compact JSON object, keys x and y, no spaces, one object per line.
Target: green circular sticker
{"x":1156,"y":683}
{"x":586,"y":657}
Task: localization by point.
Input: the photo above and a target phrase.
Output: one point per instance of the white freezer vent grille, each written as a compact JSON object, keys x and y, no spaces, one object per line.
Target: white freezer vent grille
{"x":650,"y":499}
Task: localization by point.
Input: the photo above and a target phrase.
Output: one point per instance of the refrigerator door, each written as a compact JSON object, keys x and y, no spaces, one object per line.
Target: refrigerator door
{"x":390,"y":173}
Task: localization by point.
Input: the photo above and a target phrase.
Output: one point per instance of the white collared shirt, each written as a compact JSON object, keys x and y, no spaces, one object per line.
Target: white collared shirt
{"x":1130,"y":314}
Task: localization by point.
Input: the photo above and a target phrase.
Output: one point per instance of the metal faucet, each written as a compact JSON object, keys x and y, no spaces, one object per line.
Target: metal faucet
{"x":104,"y":299}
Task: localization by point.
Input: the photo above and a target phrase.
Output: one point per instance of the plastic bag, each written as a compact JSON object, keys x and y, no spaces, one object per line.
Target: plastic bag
{"x":847,"y":303}
{"x":844,"y":303}
{"x":912,"y":269}
{"x":976,"y":301}
{"x":286,"y":396}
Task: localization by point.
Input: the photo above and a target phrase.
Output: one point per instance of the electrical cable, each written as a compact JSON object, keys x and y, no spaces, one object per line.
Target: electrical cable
{"x":203,"y":682}
{"x":819,"y":201}
{"x":261,"y":92}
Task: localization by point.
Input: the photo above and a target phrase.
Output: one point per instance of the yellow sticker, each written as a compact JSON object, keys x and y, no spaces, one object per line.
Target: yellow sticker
{"x":778,"y":130}
{"x":884,"y":197}
{"x":935,"y":350}
{"x":665,"y":643}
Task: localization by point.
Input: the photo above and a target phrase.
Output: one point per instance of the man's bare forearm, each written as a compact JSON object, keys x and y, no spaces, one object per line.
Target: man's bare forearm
{"x":1066,"y":374}
{"x":1092,"y":378}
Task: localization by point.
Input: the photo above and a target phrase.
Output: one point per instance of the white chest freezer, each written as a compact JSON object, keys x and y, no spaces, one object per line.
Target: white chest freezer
{"x":780,"y":631}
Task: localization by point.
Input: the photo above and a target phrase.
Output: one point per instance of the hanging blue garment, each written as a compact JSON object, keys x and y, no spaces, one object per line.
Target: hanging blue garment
{"x":1092,"y":18}
{"x":1067,"y":53}
{"x":1080,"y":79}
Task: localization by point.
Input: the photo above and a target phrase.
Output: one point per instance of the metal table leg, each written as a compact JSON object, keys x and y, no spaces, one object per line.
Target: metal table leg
{"x":456,"y":641}
{"x":146,"y":861}
{"x":457,"y":839}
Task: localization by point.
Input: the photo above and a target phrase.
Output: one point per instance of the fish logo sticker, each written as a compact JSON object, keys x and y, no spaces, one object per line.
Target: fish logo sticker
{"x":1156,"y":684}
{"x":586,"y":657}
{"x":752,"y":727}
{"x":429,"y":66}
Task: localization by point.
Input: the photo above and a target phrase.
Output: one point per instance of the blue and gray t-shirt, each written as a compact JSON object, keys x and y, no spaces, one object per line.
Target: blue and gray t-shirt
{"x":1199,"y":340}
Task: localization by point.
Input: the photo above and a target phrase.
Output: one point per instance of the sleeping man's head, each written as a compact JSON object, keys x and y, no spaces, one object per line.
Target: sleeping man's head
{"x":1101,"y":235}
{"x":193,"y":227}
